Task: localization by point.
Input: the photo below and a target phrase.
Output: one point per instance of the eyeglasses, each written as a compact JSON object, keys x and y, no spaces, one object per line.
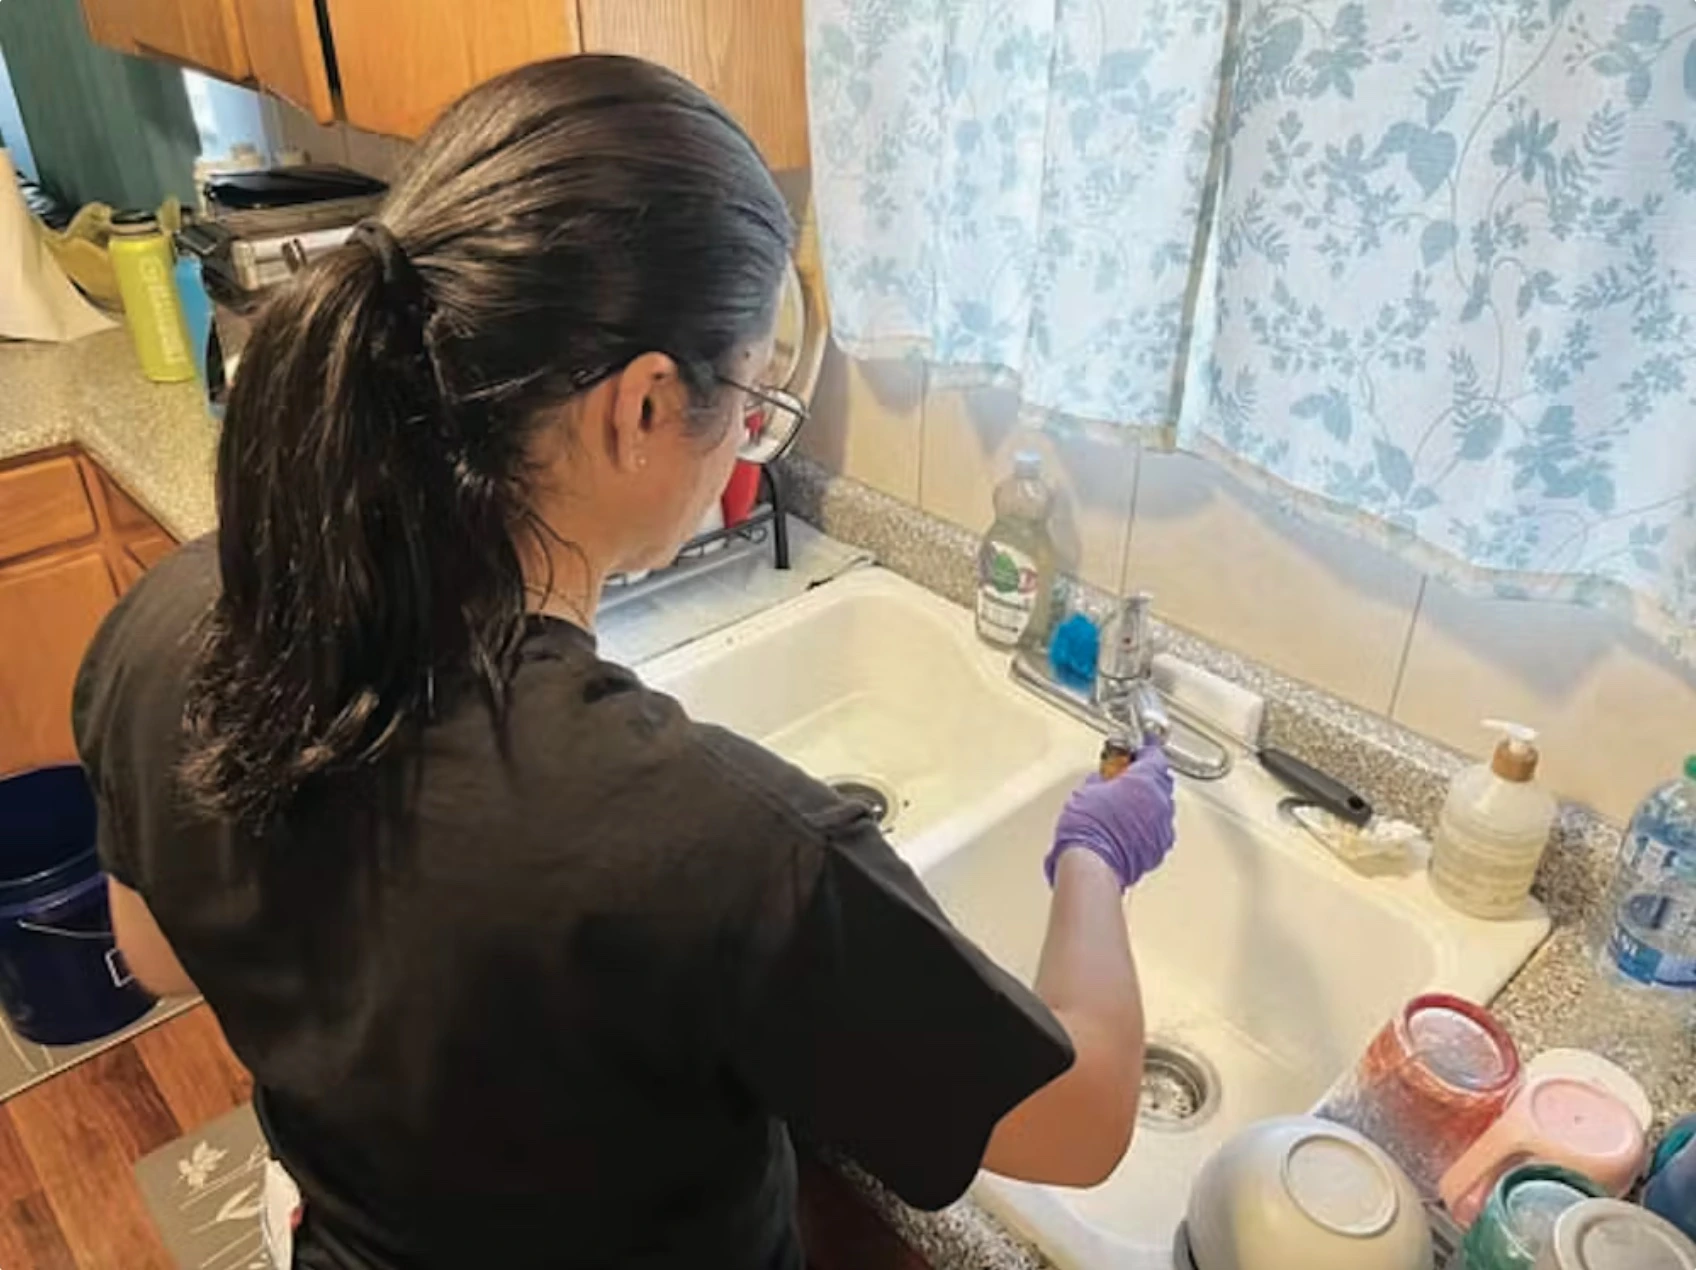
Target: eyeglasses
{"x":773,"y":419}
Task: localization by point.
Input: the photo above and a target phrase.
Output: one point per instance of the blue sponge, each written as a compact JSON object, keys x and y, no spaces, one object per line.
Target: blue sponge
{"x":1074,"y":650}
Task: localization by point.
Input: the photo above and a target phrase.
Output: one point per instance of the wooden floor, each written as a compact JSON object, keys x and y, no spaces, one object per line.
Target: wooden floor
{"x":68,"y":1196}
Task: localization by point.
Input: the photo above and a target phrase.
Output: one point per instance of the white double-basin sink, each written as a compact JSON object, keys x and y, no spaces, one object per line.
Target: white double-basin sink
{"x":1266,"y":964}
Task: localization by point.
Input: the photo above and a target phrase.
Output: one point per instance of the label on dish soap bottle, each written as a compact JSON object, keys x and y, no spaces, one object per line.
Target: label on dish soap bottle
{"x":1007,"y":585}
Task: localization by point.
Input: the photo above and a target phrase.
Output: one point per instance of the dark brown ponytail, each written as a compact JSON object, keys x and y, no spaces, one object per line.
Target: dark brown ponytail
{"x":554,"y":224}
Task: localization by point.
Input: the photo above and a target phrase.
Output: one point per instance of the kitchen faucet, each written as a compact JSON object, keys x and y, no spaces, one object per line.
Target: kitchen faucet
{"x":1124,"y":677}
{"x":1124,"y":701}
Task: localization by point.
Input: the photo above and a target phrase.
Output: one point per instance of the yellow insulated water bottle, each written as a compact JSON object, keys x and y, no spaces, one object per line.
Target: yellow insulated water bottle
{"x":141,"y":257}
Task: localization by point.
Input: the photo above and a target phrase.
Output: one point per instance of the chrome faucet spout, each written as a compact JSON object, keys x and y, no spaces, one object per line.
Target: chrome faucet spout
{"x":1124,"y":685}
{"x":1124,"y":701}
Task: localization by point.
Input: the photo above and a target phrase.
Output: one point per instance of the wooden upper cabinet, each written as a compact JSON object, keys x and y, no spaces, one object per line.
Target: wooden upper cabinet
{"x":396,"y":65}
{"x":205,"y":34}
{"x":286,"y":53}
{"x":399,"y":64}
{"x":747,"y":53}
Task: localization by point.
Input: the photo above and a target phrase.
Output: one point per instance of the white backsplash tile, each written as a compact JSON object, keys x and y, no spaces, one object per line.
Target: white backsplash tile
{"x":369,"y":152}
{"x":867,"y":422}
{"x":1617,"y":713}
{"x":375,"y":155}
{"x":291,"y":128}
{"x":1223,"y":561}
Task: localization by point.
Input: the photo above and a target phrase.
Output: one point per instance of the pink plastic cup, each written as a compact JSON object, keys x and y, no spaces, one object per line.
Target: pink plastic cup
{"x":1553,"y":1119}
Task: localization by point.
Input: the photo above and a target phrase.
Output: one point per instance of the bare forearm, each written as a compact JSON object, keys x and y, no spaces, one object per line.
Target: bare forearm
{"x":139,"y":938}
{"x":1086,"y":967}
{"x":1074,"y":1130}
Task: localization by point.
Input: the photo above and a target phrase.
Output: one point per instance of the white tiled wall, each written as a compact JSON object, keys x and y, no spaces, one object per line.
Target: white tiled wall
{"x":970,"y":438}
{"x":867,"y":421}
{"x":366,"y":152}
{"x":1222,"y":561}
{"x":1618,"y":713}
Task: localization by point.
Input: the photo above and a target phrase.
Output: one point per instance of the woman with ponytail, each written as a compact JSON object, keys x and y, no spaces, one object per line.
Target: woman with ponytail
{"x":530,"y":969}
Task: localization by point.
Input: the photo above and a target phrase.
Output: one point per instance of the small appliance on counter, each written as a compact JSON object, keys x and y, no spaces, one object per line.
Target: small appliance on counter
{"x":261,"y":226}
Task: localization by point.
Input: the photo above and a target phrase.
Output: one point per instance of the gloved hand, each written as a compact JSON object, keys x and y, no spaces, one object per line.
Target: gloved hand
{"x":1127,"y":821}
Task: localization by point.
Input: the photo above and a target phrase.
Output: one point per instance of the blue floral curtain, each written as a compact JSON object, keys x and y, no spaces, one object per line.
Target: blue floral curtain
{"x":1015,"y":185}
{"x":1428,"y":269}
{"x":1452,"y":287}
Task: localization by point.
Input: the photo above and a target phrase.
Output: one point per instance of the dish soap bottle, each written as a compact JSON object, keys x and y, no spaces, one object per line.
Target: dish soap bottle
{"x":1493,"y":828}
{"x":1016,"y":561}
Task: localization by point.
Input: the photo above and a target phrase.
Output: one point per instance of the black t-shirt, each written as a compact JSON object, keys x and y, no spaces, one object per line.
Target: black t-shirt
{"x":547,"y":990}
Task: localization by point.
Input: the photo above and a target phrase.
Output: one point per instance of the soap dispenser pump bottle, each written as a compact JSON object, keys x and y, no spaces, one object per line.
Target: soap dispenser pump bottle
{"x":1016,"y":559}
{"x":1493,"y":828}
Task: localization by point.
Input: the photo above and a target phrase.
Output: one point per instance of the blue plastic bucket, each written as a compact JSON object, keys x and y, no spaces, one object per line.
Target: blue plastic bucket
{"x":62,"y":979}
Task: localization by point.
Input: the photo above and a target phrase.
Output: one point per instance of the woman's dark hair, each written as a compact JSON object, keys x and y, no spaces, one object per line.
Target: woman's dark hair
{"x":553,"y":225}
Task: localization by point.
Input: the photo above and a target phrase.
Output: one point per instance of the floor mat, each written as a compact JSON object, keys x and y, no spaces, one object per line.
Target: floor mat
{"x":204,"y":1192}
{"x":24,"y":1063}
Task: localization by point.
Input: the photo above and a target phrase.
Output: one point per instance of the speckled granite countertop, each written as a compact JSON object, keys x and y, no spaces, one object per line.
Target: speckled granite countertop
{"x":156,"y":440}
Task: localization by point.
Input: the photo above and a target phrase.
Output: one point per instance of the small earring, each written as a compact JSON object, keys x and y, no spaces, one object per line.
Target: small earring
{"x":641,"y":460}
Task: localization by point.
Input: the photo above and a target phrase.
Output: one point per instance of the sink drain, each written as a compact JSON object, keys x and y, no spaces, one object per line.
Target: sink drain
{"x":1180,"y":1089}
{"x":872,"y":794}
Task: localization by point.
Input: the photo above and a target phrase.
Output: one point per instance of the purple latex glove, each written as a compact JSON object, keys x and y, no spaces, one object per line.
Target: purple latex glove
{"x":1127,"y":821}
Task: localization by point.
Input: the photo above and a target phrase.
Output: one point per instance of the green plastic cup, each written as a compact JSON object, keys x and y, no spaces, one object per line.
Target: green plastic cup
{"x":1518,"y":1220}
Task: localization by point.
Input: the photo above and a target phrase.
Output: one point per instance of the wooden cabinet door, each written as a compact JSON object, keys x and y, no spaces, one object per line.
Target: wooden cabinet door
{"x":109,"y":23}
{"x":133,"y":540}
{"x":203,"y":33}
{"x":399,"y":64}
{"x":49,"y":610}
{"x":42,"y":504}
{"x":286,"y":53}
{"x":747,"y":53}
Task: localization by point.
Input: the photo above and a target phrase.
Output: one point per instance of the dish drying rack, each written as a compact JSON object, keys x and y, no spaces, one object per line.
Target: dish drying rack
{"x":769,"y":519}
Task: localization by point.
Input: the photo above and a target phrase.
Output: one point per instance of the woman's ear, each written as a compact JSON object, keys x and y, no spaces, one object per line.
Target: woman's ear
{"x":648,"y":398}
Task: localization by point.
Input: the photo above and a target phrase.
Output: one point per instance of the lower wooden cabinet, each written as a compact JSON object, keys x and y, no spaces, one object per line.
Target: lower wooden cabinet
{"x":49,"y":610}
{"x":71,"y":542}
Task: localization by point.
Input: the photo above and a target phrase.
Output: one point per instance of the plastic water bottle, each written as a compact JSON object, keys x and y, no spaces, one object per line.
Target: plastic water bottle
{"x":1638,"y":1005}
{"x":1653,"y":900}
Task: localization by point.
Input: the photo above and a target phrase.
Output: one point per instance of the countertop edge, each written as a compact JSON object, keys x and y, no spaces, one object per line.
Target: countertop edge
{"x":157,"y":441}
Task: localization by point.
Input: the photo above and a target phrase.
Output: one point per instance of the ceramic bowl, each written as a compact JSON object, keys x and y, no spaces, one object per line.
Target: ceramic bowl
{"x":1300,"y":1191}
